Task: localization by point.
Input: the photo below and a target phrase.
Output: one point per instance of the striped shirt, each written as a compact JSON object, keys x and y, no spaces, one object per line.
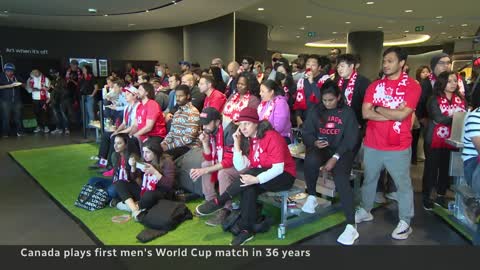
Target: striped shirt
{"x":472,"y":129}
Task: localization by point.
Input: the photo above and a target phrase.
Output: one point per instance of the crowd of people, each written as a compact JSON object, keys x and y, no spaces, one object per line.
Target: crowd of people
{"x":242,"y":118}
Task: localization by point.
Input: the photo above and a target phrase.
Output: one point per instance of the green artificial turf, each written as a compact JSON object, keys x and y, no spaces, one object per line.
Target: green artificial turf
{"x":62,"y":171}
{"x":447,"y":216}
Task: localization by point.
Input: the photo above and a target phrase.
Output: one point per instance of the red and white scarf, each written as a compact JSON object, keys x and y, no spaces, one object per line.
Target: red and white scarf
{"x":43,"y":88}
{"x":441,"y":132}
{"x":216,"y":150}
{"x":121,"y":174}
{"x":149,"y":183}
{"x":235,"y":105}
{"x":267,"y":108}
{"x":461,"y":87}
{"x":255,"y":163}
{"x":350,"y":87}
{"x":301,"y":99}
{"x":384,"y":98}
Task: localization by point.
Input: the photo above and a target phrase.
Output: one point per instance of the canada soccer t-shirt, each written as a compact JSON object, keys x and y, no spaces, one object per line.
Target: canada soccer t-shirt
{"x":151,"y":111}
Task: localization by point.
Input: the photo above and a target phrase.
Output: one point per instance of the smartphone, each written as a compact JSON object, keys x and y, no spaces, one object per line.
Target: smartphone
{"x":140,"y":166}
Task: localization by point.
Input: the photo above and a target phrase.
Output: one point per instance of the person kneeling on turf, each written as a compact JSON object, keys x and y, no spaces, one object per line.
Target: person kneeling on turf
{"x":270,"y":167}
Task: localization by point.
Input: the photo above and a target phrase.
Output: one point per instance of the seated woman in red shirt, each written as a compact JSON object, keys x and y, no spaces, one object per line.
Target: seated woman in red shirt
{"x":154,"y":177}
{"x":266,"y":165}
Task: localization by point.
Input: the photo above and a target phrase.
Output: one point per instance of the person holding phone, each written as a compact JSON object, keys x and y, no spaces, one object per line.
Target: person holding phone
{"x":330,"y":135}
{"x":153,"y":178}
{"x":10,"y":100}
{"x":265,"y":164}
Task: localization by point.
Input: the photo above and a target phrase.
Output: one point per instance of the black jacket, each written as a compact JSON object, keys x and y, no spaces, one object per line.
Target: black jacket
{"x":427,"y":90}
{"x":361,"y":85}
{"x":338,"y":126}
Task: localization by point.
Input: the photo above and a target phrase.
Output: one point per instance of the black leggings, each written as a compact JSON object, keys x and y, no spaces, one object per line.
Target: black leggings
{"x":249,"y":195}
{"x":341,"y":175}
{"x":436,"y":172}
{"x":127,"y":190}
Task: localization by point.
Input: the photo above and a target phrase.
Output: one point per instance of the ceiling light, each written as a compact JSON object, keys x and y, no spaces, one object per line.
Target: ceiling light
{"x":5,"y":11}
{"x":348,"y":22}
{"x":464,"y":24}
{"x":308,"y":17}
{"x":408,"y":11}
{"x":106,"y":15}
{"x":92,"y":10}
{"x":443,"y":33}
{"x":147,"y":10}
{"x":131,"y":24}
{"x":370,"y":3}
{"x":439,"y":17}
{"x":334,"y":33}
{"x":298,"y":36}
{"x":174,"y":2}
{"x":380,"y":27}
{"x":406,"y":31}
{"x":302,"y":28}
{"x":450,"y":37}
{"x":260,"y":9}
{"x":414,"y":40}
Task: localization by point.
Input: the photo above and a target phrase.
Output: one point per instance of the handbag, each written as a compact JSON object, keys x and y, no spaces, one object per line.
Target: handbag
{"x":92,"y":198}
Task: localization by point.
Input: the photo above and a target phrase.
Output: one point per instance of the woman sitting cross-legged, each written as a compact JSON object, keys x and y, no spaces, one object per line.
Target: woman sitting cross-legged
{"x":330,"y":134}
{"x":153,"y":178}
{"x":121,"y":167}
{"x":266,"y":165}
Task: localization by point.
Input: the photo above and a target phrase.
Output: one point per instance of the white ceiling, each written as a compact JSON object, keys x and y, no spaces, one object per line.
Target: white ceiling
{"x":285,"y":18}
{"x":74,"y":15}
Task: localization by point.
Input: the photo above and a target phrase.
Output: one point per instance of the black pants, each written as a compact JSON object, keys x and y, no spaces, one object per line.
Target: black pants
{"x":436,"y":172}
{"x":127,"y":190}
{"x":150,"y":198}
{"x":341,"y":175}
{"x":9,"y":109}
{"x":178,"y":152}
{"x":416,"y":137}
{"x":106,"y":145}
{"x":40,"y":109}
{"x":249,"y":195}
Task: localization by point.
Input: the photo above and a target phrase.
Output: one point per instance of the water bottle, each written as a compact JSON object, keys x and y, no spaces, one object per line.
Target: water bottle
{"x":452,"y":207}
{"x":281,"y":231}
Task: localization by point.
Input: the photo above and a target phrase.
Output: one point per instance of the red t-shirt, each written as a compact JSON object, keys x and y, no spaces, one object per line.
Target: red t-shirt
{"x":380,"y":135}
{"x":272,"y":149}
{"x":151,"y":111}
{"x":216,"y":100}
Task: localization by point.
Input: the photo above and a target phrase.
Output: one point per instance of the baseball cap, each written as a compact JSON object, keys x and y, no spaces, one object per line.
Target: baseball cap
{"x":185,"y":63}
{"x":9,"y":66}
{"x":130,"y":89}
{"x":208,"y":115}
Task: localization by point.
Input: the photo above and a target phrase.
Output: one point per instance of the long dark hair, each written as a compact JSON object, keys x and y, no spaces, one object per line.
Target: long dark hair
{"x":219,"y":84}
{"x":419,"y":72}
{"x":441,"y":84}
{"x":272,"y":85}
{"x":262,"y":128}
{"x":252,"y":84}
{"x":130,"y":150}
{"x":160,"y":156}
{"x":330,"y":87}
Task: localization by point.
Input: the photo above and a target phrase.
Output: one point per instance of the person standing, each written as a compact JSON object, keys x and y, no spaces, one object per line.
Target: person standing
{"x":388,"y":107}
{"x":10,"y":100}
{"x":38,"y":85}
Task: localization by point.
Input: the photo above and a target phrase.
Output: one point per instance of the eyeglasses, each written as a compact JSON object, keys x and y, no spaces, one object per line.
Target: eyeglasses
{"x":444,"y":63}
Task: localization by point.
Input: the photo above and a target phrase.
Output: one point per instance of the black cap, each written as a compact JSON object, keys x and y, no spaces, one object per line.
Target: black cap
{"x":208,"y":115}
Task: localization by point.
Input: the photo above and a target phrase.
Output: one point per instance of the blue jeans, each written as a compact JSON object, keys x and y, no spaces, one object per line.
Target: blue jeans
{"x":106,"y":184}
{"x":89,"y":100}
{"x":7,"y":110}
{"x":60,"y":112}
{"x":471,"y":171}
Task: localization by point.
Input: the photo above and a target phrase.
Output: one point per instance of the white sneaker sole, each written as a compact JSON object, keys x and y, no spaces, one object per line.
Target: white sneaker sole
{"x":349,"y":243}
{"x":369,"y":218}
{"x":403,"y":236}
{"x":309,"y":210}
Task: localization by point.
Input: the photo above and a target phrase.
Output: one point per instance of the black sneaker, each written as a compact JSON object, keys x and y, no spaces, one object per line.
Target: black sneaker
{"x":441,"y":201}
{"x":208,"y":207}
{"x":427,"y":204}
{"x":113,"y":202}
{"x":243,"y":237}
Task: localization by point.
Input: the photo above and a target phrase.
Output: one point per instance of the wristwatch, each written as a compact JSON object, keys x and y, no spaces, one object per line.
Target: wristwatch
{"x":336,"y":156}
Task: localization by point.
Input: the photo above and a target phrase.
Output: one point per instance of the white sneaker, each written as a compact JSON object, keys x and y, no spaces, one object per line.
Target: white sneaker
{"x":362,"y":215}
{"x":380,"y":198}
{"x":46,"y":130}
{"x":310,"y":204}
{"x":348,"y":236}
{"x":402,"y":231}
{"x":37,"y":130}
{"x":123,"y":207}
{"x":57,"y":131}
{"x":392,"y":196}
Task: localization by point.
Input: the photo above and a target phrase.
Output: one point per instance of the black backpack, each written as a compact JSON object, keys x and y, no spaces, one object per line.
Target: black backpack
{"x":166,"y":215}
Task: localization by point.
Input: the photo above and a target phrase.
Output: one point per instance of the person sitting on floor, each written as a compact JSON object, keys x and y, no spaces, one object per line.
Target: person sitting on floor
{"x":185,"y":126}
{"x":218,"y":165}
{"x":152,"y":178}
{"x":129,"y":123}
{"x":330,"y":135}
{"x":270,"y":167}
{"x":122,"y":170}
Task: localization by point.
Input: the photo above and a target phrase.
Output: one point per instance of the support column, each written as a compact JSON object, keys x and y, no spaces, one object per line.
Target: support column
{"x":369,"y":46}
